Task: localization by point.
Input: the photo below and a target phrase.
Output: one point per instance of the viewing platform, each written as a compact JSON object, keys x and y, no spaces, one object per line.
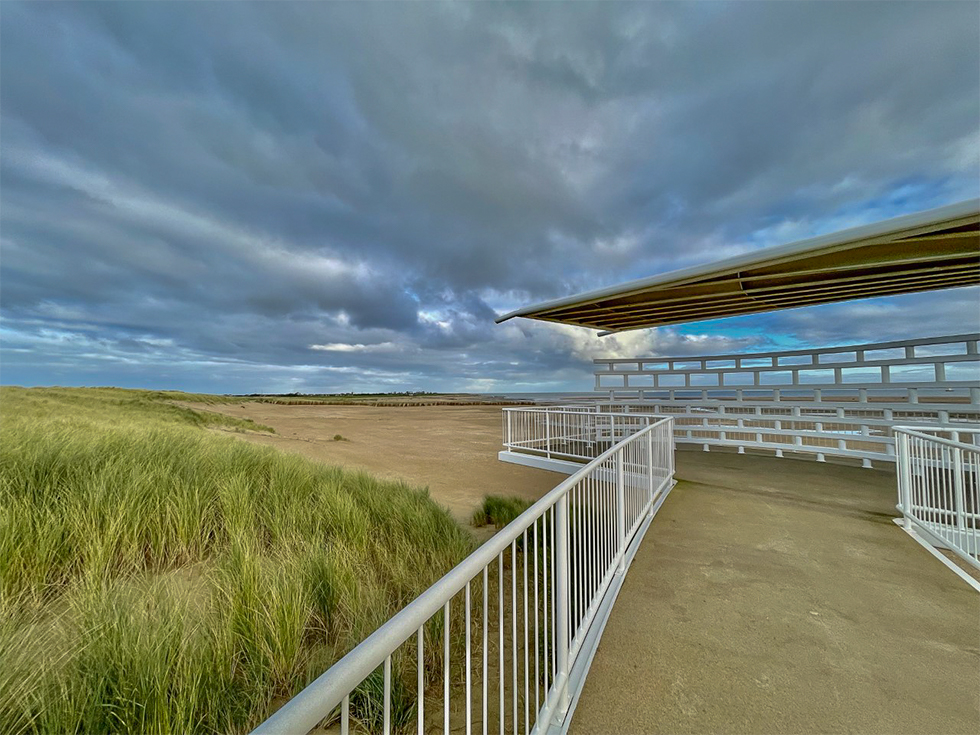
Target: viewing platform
{"x":777,"y":595}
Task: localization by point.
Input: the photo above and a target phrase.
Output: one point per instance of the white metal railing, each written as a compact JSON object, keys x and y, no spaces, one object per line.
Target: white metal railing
{"x":816,"y":430}
{"x":575,"y":433}
{"x":939,"y":486}
{"x":839,"y":401}
{"x":529,"y":605}
{"x":568,"y":432}
{"x":906,"y":366}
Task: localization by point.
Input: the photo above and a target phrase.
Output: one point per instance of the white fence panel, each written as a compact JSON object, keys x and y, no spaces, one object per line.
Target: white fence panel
{"x":839,"y":401}
{"x":530,"y":602}
{"x":573,"y":433}
{"x":939,"y":486}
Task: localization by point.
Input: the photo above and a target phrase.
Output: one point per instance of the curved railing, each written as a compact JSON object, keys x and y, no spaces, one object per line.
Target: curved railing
{"x":939,"y":486}
{"x":576,"y":433}
{"x":811,"y":403}
{"x":570,"y":433}
{"x":531,"y":604}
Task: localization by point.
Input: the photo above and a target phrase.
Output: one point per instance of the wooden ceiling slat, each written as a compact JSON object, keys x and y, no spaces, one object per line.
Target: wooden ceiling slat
{"x":788,"y":300}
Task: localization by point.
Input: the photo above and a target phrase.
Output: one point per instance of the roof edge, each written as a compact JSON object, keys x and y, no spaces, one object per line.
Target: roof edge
{"x":882,"y":228}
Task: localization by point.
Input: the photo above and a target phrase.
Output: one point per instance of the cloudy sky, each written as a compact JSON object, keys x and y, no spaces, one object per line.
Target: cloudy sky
{"x":275,"y":197}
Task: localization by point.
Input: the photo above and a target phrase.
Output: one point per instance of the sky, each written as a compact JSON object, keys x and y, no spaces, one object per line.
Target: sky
{"x":314,"y":197}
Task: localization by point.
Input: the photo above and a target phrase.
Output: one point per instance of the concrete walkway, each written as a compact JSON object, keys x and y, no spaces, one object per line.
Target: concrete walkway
{"x":777,"y":596}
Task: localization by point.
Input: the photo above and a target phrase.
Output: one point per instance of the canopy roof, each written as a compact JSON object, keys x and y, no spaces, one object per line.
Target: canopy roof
{"x":929,"y":250}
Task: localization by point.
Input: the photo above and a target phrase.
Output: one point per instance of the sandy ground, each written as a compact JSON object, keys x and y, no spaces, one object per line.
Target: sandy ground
{"x":450,"y":449}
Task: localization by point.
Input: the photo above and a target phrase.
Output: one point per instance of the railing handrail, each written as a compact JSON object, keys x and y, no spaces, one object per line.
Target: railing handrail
{"x":565,"y":411}
{"x":920,"y":432}
{"x":323,"y":694}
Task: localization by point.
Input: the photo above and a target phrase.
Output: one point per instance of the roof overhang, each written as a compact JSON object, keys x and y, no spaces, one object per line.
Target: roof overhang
{"x":926,"y":251}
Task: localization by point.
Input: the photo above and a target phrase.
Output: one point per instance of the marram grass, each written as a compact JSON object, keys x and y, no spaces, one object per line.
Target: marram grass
{"x":499,"y":510}
{"x":156,"y":577}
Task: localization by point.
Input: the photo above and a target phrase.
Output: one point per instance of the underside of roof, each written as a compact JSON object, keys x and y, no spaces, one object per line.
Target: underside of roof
{"x":919,"y":252}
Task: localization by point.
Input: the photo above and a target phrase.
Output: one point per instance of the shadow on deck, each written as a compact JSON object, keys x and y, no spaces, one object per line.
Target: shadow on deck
{"x":777,"y":596}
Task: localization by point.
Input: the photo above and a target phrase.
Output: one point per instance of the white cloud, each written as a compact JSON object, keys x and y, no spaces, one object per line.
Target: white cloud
{"x":346,"y":347}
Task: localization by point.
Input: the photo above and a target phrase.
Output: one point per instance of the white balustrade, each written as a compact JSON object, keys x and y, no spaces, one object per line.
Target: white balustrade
{"x":838,"y":401}
{"x":939,"y":486}
{"x":527,"y":607}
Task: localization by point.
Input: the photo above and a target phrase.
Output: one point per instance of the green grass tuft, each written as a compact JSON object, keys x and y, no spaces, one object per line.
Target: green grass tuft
{"x":499,"y":511}
{"x":157,"y":577}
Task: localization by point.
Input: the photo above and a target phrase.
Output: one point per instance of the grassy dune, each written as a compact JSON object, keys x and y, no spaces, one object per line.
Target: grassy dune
{"x":157,"y":577}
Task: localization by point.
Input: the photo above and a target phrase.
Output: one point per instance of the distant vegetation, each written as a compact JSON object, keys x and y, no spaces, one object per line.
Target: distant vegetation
{"x":157,"y":577}
{"x":398,"y":394}
{"x":498,"y":510}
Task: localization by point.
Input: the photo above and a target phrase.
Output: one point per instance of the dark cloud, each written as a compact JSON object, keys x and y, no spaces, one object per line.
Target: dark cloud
{"x":341,"y":196}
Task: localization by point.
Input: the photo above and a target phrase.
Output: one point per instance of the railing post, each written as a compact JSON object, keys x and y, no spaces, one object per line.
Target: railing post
{"x":621,"y":510}
{"x":905,"y":477}
{"x":547,"y":434}
{"x":509,"y":434}
{"x":650,"y":468}
{"x":561,"y":600}
{"x":959,"y":500}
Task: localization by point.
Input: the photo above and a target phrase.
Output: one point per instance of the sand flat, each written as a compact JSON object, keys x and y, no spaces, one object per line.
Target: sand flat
{"x":451,"y":449}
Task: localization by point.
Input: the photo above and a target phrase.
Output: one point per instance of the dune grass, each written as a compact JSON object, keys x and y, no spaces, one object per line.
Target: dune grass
{"x":499,"y":510}
{"x":156,"y":577}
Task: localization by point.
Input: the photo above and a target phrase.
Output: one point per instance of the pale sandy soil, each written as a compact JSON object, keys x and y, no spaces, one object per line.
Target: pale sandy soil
{"x":452,"y":450}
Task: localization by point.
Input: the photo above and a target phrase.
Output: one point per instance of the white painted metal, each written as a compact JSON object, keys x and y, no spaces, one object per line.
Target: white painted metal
{"x":837,"y":401}
{"x":569,"y":433}
{"x":584,"y":533}
{"x":939,"y":486}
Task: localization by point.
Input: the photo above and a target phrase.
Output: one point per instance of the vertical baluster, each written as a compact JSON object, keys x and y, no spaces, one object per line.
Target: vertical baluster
{"x":650,"y":470}
{"x":420,"y":666}
{"x":971,"y":499}
{"x":469,"y":667}
{"x":575,"y":536}
{"x":933,"y":501}
{"x":527,"y":668}
{"x":904,"y":483}
{"x":500,"y":627}
{"x":620,"y":512}
{"x":387,"y":693}
{"x":588,"y":532}
{"x":610,"y":521}
{"x":345,"y":715}
{"x":594,"y":536}
{"x":485,"y":645}
{"x":918,"y":479}
{"x":561,"y":598}
{"x":537,"y":674}
{"x":975,"y":504}
{"x":445,"y":667}
{"x":545,"y":634}
{"x":922,"y":481}
{"x":513,"y":624}
{"x":554,"y":583}
{"x":947,"y":504}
